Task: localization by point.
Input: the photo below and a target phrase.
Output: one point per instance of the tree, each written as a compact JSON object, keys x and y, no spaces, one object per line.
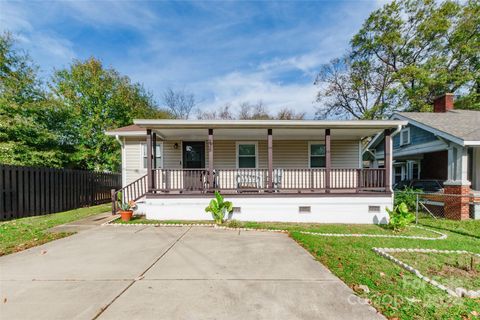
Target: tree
{"x":31,"y":130}
{"x":180,"y":103}
{"x":248,"y":111}
{"x":99,"y":99}
{"x":353,"y":89}
{"x":289,"y":114}
{"x":223,"y":113}
{"x":255,"y":111}
{"x":422,"y":49}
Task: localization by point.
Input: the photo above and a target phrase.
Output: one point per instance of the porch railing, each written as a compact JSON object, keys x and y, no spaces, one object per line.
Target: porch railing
{"x":131,"y":192}
{"x":245,"y":180}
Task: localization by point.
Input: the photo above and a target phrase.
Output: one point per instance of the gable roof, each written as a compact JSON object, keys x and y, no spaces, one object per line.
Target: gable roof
{"x":459,"y":126}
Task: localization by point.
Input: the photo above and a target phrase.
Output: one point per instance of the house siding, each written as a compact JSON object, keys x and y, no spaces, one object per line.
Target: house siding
{"x":286,"y":154}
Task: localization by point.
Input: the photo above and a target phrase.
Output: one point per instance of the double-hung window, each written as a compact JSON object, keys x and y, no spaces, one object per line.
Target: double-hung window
{"x":317,"y":155}
{"x":158,"y":155}
{"x":405,"y":136}
{"x":247,"y":154}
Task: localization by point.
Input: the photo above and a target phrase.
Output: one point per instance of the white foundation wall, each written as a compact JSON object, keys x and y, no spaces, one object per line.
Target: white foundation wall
{"x":348,"y":209}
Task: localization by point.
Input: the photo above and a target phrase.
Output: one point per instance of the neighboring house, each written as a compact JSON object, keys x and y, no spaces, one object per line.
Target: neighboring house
{"x":272,"y":170}
{"x":444,"y":145}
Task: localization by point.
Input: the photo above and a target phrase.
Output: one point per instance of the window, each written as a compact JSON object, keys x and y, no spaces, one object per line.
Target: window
{"x":317,"y":155}
{"x":158,"y":155}
{"x":405,"y":136}
{"x":397,"y":174}
{"x":247,"y":155}
{"x":413,"y":169}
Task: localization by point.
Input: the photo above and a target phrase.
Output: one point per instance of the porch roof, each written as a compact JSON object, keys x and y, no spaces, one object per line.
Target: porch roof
{"x":256,"y":129}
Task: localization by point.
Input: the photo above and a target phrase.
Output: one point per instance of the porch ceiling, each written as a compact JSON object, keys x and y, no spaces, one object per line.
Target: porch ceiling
{"x":257,"y":129}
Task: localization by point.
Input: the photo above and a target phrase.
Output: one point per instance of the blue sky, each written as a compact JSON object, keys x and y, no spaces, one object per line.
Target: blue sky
{"x":223,"y":52}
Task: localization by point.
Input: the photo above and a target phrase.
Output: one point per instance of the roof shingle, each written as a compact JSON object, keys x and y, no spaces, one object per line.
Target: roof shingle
{"x":463,"y":124}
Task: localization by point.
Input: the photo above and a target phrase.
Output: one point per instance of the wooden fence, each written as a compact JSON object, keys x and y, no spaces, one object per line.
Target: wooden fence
{"x":29,"y":191}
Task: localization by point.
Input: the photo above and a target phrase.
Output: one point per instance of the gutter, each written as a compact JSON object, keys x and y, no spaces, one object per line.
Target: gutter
{"x":123,"y":164}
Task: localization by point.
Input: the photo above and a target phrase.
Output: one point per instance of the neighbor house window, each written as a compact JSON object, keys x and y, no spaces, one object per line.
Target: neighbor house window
{"x":247,"y":154}
{"x":158,"y":155}
{"x":317,"y":155}
{"x":405,"y":136}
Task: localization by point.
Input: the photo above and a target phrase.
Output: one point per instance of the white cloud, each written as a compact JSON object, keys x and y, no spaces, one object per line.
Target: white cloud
{"x":47,"y":47}
{"x":112,"y":13}
{"x":236,"y":87}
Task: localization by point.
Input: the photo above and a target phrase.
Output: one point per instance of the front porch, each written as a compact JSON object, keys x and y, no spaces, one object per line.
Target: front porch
{"x":308,"y":171}
{"x":262,"y":181}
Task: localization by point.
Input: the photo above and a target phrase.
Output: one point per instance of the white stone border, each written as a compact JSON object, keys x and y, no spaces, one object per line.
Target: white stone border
{"x":457,"y":292}
{"x":110,"y":223}
{"x":441,"y":235}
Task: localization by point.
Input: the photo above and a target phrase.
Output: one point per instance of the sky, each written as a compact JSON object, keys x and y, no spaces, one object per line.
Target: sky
{"x":221,"y":51}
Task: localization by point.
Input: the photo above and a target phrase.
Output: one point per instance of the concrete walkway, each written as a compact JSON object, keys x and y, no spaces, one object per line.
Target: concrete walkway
{"x":146,"y":272}
{"x":84,"y":224}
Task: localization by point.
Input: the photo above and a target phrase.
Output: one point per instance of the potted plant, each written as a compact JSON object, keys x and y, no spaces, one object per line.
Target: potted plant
{"x":126,"y":208}
{"x":219,"y":208}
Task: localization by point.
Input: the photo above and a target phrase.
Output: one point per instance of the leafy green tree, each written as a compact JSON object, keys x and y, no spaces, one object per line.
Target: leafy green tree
{"x":100,"y":99}
{"x":30,"y":133}
{"x":423,"y":48}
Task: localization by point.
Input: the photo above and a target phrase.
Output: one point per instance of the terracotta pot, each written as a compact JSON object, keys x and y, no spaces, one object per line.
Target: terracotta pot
{"x":126,"y":215}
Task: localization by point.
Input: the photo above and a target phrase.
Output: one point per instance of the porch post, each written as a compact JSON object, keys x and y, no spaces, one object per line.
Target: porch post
{"x":154,"y":159}
{"x":388,"y":159}
{"x":328,"y":160}
{"x":210,"y":159}
{"x":149,"y":161}
{"x":270,"y":159}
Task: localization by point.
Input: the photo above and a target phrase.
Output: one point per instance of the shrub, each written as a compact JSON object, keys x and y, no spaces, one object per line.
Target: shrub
{"x":407,"y":196}
{"x":219,"y":208}
{"x":400,"y":217}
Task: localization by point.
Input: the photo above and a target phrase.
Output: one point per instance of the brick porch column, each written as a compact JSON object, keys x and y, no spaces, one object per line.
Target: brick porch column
{"x":457,"y":207}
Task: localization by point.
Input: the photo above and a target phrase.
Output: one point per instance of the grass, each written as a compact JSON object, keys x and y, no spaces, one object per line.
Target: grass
{"x":469,"y":228}
{"x":337,"y":228}
{"x":393,"y":291}
{"x":24,"y":233}
{"x":141,"y":219}
{"x":313,"y":227}
{"x":451,"y":270}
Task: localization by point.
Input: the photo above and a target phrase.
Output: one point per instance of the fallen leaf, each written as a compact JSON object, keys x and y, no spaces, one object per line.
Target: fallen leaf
{"x":43,"y":252}
{"x":382,"y":274}
{"x":475,"y":313}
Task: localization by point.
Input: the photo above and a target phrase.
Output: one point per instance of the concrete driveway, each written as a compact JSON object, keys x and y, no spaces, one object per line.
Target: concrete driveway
{"x":146,"y":272}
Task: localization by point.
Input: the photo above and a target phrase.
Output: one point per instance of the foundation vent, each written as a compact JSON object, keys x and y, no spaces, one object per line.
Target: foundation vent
{"x":373,"y":209}
{"x":304,"y":209}
{"x":237,"y":209}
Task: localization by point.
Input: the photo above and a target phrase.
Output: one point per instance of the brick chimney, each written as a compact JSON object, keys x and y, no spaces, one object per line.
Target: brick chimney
{"x":443,"y":103}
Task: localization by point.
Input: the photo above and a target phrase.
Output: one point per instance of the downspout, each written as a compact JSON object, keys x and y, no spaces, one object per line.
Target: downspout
{"x":122,"y":145}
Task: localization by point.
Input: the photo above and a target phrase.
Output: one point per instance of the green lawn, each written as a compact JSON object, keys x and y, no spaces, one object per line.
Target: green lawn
{"x":451,"y":270}
{"x":20,"y":234}
{"x":337,"y":228}
{"x":393,"y":291}
{"x":141,"y":219}
{"x":469,"y":228}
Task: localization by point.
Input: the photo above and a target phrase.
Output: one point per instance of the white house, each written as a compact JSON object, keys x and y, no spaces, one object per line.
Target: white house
{"x":272,"y":170}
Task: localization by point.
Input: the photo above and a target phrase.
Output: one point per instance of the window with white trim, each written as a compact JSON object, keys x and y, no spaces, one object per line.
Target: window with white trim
{"x":405,"y":136}
{"x":159,"y":153}
{"x":247,"y":155}
{"x":317,"y":155}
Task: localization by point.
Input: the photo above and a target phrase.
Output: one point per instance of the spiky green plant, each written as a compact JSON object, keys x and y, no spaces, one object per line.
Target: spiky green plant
{"x":219,"y":208}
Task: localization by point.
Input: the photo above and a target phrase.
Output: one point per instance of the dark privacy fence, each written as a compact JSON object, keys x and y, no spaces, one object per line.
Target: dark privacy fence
{"x":29,"y":191}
